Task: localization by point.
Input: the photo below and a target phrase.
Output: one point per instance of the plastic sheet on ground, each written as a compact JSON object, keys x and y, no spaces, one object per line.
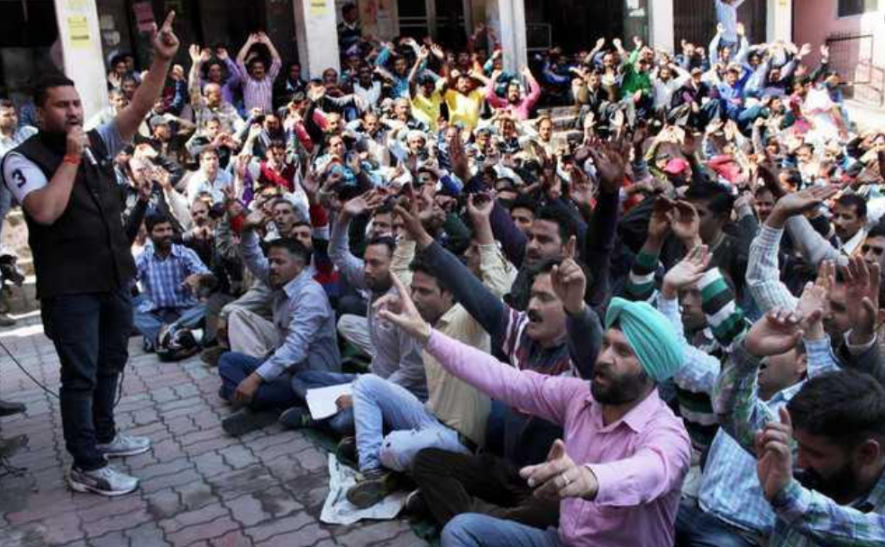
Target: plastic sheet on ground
{"x":337,"y":510}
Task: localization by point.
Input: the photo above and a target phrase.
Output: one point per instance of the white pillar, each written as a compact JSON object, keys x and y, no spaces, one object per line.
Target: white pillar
{"x":507,"y":17}
{"x":432,"y":27}
{"x":661,"y":25}
{"x":780,"y":20}
{"x":81,"y":49}
{"x":468,"y":16}
{"x":316,"y":29}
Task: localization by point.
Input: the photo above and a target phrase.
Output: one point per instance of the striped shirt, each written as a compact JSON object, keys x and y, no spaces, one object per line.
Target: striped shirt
{"x":526,"y":354}
{"x":259,"y":93}
{"x":763,"y":272}
{"x":163,"y":278}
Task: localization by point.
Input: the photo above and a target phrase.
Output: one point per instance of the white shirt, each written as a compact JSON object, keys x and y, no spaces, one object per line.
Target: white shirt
{"x":199,"y":183}
{"x":372,"y":94}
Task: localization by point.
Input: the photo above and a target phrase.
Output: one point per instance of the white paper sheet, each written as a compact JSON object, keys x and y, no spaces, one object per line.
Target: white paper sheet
{"x":321,"y":401}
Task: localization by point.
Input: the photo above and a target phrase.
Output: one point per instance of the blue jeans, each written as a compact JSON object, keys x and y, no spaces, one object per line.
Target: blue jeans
{"x":341,"y":424}
{"x":475,"y":530}
{"x":378,"y":402}
{"x":91,"y":335}
{"x":696,"y":528}
{"x":150,"y":323}
{"x":274,"y":395}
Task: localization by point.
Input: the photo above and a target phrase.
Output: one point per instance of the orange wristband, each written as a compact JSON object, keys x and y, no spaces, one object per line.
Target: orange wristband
{"x":72,"y":159}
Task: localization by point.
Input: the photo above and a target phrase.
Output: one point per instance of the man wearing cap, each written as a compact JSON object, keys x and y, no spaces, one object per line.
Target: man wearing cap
{"x":618,"y":473}
{"x":692,"y":104}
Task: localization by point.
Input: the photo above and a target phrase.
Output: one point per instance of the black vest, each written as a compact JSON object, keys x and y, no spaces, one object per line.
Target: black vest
{"x":86,"y":249}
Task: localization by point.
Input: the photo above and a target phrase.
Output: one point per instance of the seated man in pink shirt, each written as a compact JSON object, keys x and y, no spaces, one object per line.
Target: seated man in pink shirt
{"x":514,"y":102}
{"x":618,"y":473}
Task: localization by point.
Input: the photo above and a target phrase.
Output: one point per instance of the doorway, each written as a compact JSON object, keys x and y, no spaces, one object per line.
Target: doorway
{"x":443,"y":20}
{"x":575,"y":25}
{"x":695,"y":21}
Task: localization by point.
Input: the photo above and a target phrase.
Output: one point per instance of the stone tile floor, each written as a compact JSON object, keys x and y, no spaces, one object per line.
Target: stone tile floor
{"x":199,"y":487}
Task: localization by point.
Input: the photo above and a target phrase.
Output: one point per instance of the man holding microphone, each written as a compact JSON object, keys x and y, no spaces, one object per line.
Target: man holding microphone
{"x":64,"y":179}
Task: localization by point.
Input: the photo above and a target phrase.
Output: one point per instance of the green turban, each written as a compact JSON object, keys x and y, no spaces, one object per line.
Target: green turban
{"x":650,"y":335}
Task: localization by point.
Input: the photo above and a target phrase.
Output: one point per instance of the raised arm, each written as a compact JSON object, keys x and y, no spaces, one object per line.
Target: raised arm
{"x":165,"y":45}
{"x":413,"y":73}
{"x":486,"y":308}
{"x":250,"y":251}
{"x":241,"y":56}
{"x":513,"y":240}
{"x":736,"y":400}
{"x":763,"y":272}
{"x":547,"y":397}
{"x":275,"y":61}
{"x":534,"y":89}
{"x":339,"y":251}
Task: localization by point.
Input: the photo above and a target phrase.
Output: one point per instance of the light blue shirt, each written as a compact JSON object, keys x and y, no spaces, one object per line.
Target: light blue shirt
{"x":302,"y":315}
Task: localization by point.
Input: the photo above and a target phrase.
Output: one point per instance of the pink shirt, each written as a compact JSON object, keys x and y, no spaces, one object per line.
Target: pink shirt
{"x":640,"y":461}
{"x":521,"y":110}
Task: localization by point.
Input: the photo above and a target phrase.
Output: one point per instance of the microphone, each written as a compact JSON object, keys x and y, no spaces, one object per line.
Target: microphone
{"x":87,"y":152}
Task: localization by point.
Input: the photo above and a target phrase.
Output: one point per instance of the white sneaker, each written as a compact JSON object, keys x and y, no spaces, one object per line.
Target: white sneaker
{"x":124,"y":445}
{"x":106,"y":481}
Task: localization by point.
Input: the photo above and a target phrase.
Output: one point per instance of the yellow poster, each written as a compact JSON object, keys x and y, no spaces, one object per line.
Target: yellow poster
{"x":78,"y":30}
{"x":77,"y":5}
{"x":319,"y":7}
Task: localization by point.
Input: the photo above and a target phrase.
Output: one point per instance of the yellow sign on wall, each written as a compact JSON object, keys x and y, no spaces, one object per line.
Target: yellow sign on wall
{"x":78,"y":30}
{"x":319,"y":7}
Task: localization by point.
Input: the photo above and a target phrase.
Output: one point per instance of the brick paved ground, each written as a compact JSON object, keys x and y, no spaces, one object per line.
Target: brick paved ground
{"x":199,"y":487}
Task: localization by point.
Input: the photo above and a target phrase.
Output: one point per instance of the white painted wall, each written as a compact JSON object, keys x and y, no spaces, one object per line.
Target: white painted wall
{"x":317,"y":36}
{"x":661,"y":23}
{"x":507,"y":17}
{"x":780,"y":20}
{"x":83,"y":60}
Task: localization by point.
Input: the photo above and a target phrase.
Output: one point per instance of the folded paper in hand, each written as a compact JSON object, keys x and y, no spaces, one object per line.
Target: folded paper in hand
{"x":321,"y":401}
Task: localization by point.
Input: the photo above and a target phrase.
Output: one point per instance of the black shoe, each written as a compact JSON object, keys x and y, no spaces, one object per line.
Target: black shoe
{"x":212,"y":355}
{"x":9,"y":409}
{"x":246,"y":420}
{"x":297,"y":417}
{"x":415,"y":504}
{"x":347,"y":452}
{"x":371,"y":488}
{"x":8,"y":447}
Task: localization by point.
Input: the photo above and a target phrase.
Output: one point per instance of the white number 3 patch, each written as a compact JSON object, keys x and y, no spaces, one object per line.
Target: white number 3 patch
{"x":19,"y":178}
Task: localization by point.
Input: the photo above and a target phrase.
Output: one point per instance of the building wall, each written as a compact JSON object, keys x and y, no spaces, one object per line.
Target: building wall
{"x":815,"y":20}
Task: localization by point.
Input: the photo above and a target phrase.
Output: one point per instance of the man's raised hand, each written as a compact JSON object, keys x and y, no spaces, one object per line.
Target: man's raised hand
{"x":164,"y":40}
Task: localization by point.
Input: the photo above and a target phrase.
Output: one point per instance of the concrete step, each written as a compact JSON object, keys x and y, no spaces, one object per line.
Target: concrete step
{"x":23,"y":300}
